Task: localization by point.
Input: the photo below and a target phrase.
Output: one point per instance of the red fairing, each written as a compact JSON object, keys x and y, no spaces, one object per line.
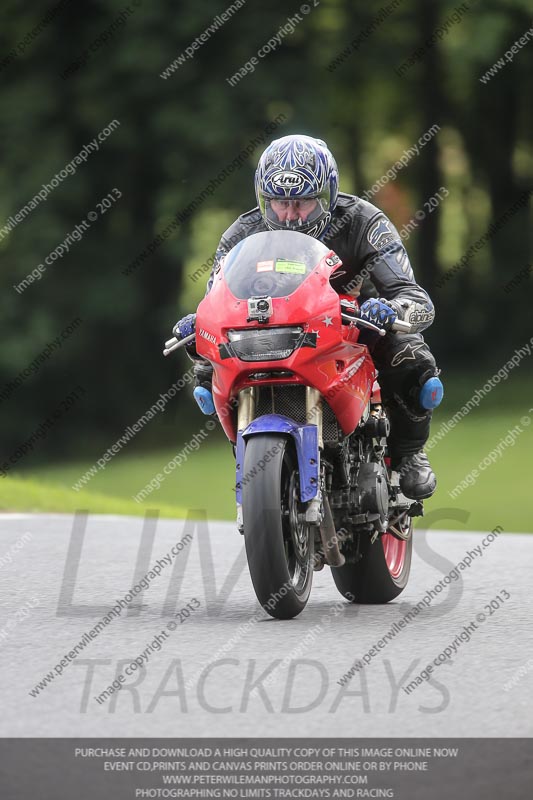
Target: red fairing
{"x":340,"y":368}
{"x":376,"y":393}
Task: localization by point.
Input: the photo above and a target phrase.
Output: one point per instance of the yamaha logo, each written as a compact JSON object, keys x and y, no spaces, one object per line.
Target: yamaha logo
{"x":209,"y":336}
{"x":287,"y":180}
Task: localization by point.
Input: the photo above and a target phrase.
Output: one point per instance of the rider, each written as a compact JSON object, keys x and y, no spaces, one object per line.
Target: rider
{"x":296,"y":185}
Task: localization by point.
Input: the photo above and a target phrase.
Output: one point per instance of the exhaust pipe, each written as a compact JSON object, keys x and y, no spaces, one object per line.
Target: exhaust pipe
{"x":330,"y":540}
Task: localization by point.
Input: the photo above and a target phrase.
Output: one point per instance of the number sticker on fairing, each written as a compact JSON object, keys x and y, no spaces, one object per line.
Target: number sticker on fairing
{"x":290,"y":267}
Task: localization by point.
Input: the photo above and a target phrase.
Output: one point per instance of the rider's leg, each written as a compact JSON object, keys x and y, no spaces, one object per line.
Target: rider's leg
{"x":203,"y":379}
{"x":405,"y":364}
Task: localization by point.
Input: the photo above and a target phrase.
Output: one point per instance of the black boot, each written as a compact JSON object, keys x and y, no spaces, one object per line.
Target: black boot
{"x":203,"y":373}
{"x":417,"y":479}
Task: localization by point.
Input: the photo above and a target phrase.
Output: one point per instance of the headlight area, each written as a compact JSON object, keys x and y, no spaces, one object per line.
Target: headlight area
{"x":266,"y":344}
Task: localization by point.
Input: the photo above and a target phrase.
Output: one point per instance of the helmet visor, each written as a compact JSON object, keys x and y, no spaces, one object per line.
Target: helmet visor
{"x":294,"y":213}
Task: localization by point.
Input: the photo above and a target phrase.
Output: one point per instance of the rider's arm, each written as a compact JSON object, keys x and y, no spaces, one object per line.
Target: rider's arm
{"x":246,"y":224}
{"x":221,"y":251}
{"x":385,"y":262}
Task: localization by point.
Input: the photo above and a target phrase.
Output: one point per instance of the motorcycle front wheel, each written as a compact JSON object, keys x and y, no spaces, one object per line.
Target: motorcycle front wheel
{"x":279,"y":543}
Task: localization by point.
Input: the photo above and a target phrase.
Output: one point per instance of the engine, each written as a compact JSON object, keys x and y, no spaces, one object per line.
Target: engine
{"x":369,"y":495}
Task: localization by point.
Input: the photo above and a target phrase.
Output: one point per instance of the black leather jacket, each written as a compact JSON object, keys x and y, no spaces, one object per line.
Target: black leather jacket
{"x":369,"y":246}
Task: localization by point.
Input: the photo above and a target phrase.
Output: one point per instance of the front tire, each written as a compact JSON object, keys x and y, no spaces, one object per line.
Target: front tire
{"x":279,"y":545}
{"x":381,"y":573}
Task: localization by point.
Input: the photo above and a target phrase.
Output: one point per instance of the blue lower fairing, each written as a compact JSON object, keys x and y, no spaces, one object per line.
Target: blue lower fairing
{"x":306,"y":442}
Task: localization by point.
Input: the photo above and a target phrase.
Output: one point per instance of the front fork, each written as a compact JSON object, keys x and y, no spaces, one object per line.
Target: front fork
{"x":247,"y":399}
{"x":313,"y":416}
{"x":313,"y":409}
{"x":246,"y":407}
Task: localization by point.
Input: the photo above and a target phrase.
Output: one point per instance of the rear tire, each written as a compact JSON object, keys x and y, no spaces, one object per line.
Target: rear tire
{"x":279,"y":546}
{"x":381,"y":573}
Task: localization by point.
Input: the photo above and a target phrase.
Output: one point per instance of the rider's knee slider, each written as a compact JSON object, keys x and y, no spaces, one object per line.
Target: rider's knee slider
{"x":431,"y":393}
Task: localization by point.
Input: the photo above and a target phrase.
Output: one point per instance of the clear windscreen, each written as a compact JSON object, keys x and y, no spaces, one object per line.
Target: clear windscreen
{"x":273,"y":263}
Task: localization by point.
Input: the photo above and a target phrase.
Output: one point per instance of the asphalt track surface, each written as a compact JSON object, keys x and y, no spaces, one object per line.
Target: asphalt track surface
{"x":59,"y":578}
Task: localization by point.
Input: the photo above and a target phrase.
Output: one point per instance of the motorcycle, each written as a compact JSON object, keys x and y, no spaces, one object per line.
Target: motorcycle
{"x":297,"y":395}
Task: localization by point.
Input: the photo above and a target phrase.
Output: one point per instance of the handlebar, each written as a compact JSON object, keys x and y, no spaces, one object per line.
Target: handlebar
{"x":174,"y":343}
{"x":399,"y":326}
{"x":363,"y":323}
{"x":402,"y":327}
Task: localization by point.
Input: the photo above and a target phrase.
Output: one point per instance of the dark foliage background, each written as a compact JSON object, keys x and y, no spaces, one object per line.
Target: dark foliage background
{"x":176,"y":134}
